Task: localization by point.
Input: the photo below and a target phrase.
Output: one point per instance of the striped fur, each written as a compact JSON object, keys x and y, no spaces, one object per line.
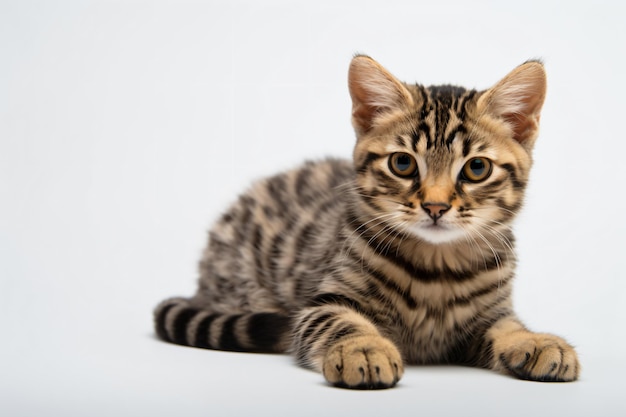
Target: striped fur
{"x":357,"y":270}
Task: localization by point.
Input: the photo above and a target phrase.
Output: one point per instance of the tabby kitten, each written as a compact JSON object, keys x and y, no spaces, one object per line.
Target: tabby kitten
{"x":404,"y":255}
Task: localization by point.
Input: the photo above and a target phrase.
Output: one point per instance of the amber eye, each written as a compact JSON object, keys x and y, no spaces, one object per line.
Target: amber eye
{"x":476,"y":169}
{"x":403,"y":165}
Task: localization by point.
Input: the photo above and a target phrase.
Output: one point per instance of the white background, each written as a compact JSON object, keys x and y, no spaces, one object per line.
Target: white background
{"x":127,"y":127}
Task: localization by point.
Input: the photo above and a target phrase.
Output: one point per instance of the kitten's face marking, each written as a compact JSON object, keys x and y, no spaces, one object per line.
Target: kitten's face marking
{"x":444,"y":163}
{"x":449,"y":195}
{"x":442,"y":194}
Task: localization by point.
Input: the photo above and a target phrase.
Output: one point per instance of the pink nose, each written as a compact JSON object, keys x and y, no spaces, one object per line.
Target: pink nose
{"x":435,"y":210}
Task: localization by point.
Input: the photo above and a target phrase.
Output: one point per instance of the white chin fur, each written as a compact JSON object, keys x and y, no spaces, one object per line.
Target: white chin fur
{"x":437,"y":234}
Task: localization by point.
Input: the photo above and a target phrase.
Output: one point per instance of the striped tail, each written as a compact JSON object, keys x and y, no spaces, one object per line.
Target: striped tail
{"x":176,"y":321}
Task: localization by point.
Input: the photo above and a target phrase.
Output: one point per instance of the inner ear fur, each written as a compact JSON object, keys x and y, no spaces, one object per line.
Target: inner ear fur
{"x":374,"y":91}
{"x":517,"y":99}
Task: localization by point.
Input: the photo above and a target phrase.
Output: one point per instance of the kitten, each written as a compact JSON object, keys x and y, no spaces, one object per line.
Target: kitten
{"x":403,"y":255}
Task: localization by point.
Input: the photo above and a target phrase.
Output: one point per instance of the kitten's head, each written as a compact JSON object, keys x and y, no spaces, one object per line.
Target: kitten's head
{"x":443,"y":162}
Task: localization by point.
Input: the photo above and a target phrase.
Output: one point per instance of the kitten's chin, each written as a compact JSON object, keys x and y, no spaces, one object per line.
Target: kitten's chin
{"x":437,"y":234}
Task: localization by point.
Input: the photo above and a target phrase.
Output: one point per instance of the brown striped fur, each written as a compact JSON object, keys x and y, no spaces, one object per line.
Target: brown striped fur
{"x":357,"y":268}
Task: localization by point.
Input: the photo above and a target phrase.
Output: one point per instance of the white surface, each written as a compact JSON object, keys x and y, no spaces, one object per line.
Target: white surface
{"x":127,"y":127}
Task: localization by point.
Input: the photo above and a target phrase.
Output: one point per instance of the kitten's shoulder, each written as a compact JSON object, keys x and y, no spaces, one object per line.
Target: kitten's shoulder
{"x":313,"y":187}
{"x":313,"y":176}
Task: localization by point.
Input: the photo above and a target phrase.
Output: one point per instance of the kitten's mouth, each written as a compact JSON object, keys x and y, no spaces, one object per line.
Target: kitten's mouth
{"x":437,"y":232}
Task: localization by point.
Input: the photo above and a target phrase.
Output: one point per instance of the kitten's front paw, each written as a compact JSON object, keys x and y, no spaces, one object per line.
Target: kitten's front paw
{"x":363,"y":362}
{"x":537,"y":357}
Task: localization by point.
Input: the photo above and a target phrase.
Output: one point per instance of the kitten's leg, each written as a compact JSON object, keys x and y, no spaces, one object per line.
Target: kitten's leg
{"x":528,"y":355}
{"x":346,"y":347}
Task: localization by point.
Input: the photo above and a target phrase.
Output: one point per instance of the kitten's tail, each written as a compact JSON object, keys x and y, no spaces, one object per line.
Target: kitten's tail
{"x":177,"y":321}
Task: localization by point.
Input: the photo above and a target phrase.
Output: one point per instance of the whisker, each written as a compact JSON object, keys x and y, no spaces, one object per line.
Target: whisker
{"x":473,"y":243}
{"x":386,"y":229}
{"x":496,"y":256}
{"x":362,"y":229}
{"x":499,"y":236}
{"x":365,"y":227}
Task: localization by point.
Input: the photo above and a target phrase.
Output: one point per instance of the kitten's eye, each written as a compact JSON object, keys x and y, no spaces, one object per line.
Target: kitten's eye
{"x":403,"y":165}
{"x":476,"y":170}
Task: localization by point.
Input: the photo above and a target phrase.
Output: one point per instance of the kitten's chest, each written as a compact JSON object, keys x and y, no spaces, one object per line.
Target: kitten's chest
{"x":446,"y":317}
{"x":432,"y":301}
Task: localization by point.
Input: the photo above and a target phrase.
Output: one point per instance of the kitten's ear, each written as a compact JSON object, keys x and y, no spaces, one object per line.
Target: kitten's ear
{"x":374,"y":92}
{"x":518,"y":99}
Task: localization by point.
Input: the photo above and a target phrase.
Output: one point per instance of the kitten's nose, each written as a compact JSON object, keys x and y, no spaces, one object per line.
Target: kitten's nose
{"x":435,"y":210}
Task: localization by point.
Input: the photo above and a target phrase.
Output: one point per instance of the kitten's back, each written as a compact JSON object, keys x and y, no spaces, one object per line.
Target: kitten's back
{"x":283,"y":226}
